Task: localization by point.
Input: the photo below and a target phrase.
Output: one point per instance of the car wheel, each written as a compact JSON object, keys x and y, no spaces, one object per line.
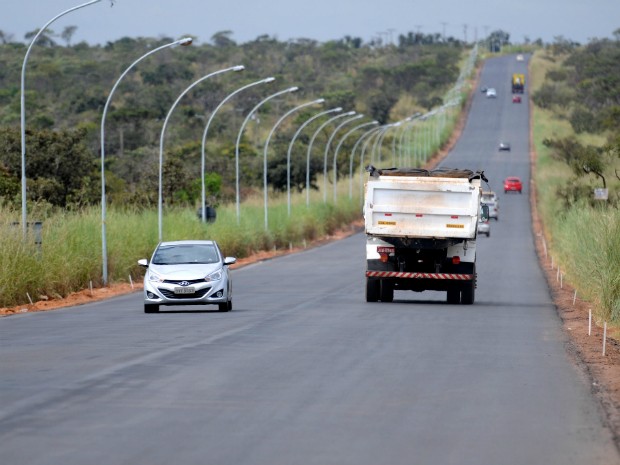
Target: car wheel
{"x":519,"y":192}
{"x":489,"y":234}
{"x":151,"y":308}
{"x":372,"y":290}
{"x":386,"y":291}
{"x":225,"y":307}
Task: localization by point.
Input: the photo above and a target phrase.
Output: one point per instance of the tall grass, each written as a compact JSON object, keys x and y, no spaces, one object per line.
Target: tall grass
{"x":70,"y":256}
{"x":583,"y":239}
{"x":588,"y":240}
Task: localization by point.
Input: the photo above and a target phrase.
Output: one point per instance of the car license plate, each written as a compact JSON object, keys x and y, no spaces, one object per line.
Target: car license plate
{"x":184,"y":290}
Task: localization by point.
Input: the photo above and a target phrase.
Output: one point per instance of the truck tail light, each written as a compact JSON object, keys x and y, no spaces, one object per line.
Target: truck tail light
{"x":384,"y":253}
{"x":456,"y":260}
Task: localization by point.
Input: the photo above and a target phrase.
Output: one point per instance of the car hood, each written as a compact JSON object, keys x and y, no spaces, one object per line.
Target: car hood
{"x":186,"y":271}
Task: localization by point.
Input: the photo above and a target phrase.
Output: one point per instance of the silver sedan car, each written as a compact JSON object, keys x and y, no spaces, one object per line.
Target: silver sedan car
{"x":187,"y":273}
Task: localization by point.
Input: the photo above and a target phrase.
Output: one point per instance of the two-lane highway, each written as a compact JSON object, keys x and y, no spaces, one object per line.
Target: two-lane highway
{"x":304,"y":371}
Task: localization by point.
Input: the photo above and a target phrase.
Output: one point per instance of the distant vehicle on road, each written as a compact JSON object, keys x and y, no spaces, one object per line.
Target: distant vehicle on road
{"x":520,"y":57}
{"x":516,"y":99}
{"x":484,"y":227}
{"x":187,"y":273}
{"x":518,"y":83}
{"x":504,"y":147}
{"x":490,"y":199}
{"x":491,"y":92}
{"x":513,"y":184}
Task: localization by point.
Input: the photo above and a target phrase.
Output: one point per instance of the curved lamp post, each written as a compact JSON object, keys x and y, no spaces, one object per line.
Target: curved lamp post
{"x":401,"y":149}
{"x":316,"y":133}
{"x":376,"y":132}
{"x":204,"y":137}
{"x":357,"y":143}
{"x":284,"y":116}
{"x":160,"y":201}
{"x":335,"y":169}
{"x":290,"y":148}
{"x":104,"y":246}
{"x":245,"y":122}
{"x":329,"y":141}
{"x":384,"y":133}
{"x":23,"y":107}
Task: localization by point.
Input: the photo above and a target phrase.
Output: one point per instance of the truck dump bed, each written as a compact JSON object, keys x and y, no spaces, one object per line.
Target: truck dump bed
{"x":416,"y":203}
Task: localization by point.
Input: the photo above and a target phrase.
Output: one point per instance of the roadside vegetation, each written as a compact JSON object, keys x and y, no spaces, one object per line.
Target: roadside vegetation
{"x":66,"y":90}
{"x":576,"y":124}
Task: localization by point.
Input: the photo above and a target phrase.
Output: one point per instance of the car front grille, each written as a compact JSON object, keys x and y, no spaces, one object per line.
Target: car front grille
{"x":179,"y":281}
{"x":168,"y":294}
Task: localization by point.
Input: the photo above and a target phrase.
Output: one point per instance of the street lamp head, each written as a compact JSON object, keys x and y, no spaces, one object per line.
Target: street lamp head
{"x":269,"y":79}
{"x":337,"y":109}
{"x":292,"y":89}
{"x":319,"y":100}
{"x":238,"y":68}
{"x":186,"y":41}
{"x":350,"y":113}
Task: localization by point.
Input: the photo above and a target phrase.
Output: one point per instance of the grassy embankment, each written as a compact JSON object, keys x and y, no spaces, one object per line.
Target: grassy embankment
{"x":584,"y":240}
{"x":70,"y":255}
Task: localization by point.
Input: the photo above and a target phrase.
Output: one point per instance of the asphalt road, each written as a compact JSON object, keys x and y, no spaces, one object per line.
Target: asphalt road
{"x":304,"y":371}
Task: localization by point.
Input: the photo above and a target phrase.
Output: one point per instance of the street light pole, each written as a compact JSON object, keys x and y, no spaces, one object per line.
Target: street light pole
{"x":329,"y":141}
{"x":335,"y":169}
{"x":245,"y":122}
{"x":204,"y":138}
{"x":288,"y":113}
{"x":160,"y":201}
{"x":23,"y":108}
{"x":104,"y":246}
{"x":359,"y":141}
{"x":290,"y":148}
{"x":316,"y":133}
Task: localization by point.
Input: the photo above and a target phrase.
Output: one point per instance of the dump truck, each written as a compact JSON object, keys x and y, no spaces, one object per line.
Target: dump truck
{"x":518,"y":83}
{"x":421,"y":227}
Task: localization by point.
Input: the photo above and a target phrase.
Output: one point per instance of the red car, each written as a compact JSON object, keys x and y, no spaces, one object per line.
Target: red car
{"x":516,"y":99}
{"x":513,"y":183}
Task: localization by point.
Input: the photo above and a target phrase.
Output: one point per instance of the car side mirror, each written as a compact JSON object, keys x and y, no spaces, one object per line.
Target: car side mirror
{"x":230,"y":260}
{"x":143,"y":262}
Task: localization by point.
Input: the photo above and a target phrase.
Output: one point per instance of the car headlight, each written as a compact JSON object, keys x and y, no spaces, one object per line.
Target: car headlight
{"x":215,"y":276}
{"x":155,"y":278}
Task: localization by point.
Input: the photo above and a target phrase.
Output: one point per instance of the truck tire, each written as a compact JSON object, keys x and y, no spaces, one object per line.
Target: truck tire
{"x":387,"y":291}
{"x":468,"y":293}
{"x":372,"y":290}
{"x":454,"y":296}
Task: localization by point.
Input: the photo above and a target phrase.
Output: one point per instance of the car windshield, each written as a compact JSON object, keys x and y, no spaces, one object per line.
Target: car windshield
{"x":185,"y":254}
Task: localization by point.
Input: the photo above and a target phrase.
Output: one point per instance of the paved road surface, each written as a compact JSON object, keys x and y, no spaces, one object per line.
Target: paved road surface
{"x":304,"y":371}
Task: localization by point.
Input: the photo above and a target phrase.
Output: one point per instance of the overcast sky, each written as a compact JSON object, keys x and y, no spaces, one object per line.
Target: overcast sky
{"x":322,"y":20}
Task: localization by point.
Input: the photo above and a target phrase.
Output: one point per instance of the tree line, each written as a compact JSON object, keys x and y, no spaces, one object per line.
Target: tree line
{"x":585,"y":90}
{"x":67,"y":87}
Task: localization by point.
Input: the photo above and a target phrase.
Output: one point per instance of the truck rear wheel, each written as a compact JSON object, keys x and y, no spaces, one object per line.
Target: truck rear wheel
{"x":468,"y":294}
{"x":387,"y":291}
{"x":372,"y":290}
{"x":454,"y":296}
